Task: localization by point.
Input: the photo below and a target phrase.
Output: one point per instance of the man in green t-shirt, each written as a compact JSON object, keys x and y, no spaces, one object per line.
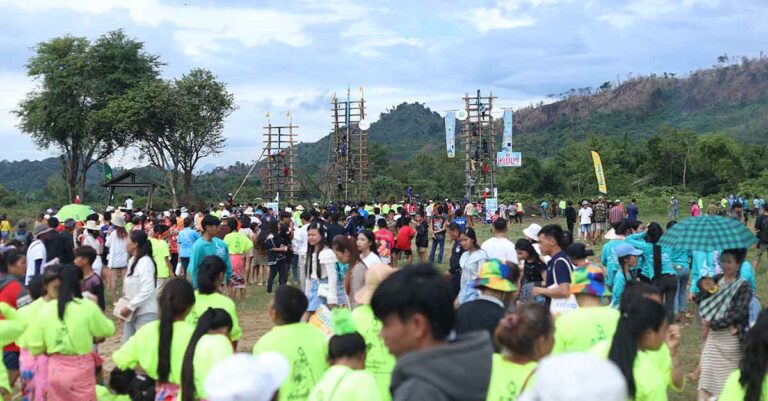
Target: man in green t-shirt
{"x":303,"y":345}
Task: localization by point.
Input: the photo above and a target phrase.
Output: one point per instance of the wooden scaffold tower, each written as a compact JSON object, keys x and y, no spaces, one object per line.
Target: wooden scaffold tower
{"x":278,"y":172}
{"x":348,"y":176}
{"x":479,"y":137}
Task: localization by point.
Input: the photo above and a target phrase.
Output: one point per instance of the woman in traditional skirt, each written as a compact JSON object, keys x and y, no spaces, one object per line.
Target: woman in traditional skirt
{"x":727,"y":314}
{"x":239,"y":247}
{"x":65,"y":331}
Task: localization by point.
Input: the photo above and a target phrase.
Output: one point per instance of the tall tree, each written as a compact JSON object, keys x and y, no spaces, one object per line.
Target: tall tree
{"x":76,"y":82}
{"x":203,"y":105}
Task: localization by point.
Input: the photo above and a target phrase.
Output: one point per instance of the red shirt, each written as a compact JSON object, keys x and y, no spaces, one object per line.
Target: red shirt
{"x":9,"y":294}
{"x":404,"y":237}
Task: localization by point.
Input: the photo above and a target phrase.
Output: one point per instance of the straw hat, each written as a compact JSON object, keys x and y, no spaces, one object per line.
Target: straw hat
{"x":118,"y":220}
{"x":373,"y":277}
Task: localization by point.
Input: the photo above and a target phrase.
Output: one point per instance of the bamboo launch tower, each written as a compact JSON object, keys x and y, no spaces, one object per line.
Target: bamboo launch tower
{"x":279,"y":169}
{"x":479,"y":137}
{"x":348,"y":176}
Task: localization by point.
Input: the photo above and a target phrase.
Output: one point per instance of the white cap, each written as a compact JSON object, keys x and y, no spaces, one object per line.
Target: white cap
{"x":110,"y":209}
{"x":245,"y":377}
{"x":224,"y":213}
{"x":595,"y":379}
{"x":167,"y":213}
{"x":248,"y":211}
{"x":532,"y":231}
{"x":184,"y":215}
{"x":289,"y":210}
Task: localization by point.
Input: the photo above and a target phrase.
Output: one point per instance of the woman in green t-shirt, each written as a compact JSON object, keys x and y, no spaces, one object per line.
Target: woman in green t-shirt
{"x":525,"y":336}
{"x":748,"y":383}
{"x":208,"y":346}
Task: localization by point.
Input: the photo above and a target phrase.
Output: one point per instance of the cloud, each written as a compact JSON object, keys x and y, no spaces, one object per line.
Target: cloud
{"x":638,"y":11}
{"x":207,"y":29}
{"x":368,"y":39}
{"x":486,"y":19}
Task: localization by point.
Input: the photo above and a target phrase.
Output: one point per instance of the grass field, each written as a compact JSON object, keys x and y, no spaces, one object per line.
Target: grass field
{"x":255,"y":322}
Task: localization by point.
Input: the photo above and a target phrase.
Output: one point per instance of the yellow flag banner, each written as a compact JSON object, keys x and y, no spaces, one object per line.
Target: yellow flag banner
{"x":599,"y":173}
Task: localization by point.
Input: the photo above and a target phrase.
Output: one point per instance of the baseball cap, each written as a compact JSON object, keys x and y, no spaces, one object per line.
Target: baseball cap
{"x":585,"y":203}
{"x":532,"y":231}
{"x":578,"y":250}
{"x":495,"y":275}
{"x":247,"y":377}
{"x":590,"y":280}
{"x":625,"y":249}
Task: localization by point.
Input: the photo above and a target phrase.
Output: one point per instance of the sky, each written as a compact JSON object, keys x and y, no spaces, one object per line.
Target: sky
{"x":283,"y":55}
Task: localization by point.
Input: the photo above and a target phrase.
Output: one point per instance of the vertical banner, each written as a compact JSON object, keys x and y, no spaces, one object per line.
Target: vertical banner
{"x":450,"y":134}
{"x":491,"y":205}
{"x":599,"y":173}
{"x":506,"y":140}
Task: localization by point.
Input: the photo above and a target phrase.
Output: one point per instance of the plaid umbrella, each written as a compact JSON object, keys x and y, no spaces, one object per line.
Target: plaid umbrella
{"x":708,"y":233}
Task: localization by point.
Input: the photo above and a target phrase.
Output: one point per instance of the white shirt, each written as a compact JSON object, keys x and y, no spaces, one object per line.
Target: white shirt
{"x":35,"y":251}
{"x":129,"y":204}
{"x":299,"y":242}
{"x":371,"y":260}
{"x":139,"y":288}
{"x":88,"y":240}
{"x":585,"y":215}
{"x":118,"y":256}
{"x":500,"y":248}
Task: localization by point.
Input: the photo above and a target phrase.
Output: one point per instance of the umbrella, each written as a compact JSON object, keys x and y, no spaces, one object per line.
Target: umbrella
{"x":708,"y":233}
{"x":74,"y":211}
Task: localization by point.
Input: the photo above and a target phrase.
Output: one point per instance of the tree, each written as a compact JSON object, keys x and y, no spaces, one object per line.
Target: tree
{"x":77,"y":81}
{"x":203,"y":105}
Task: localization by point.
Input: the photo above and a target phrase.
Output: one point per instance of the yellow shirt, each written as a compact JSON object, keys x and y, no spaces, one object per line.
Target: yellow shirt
{"x":215,"y":301}
{"x":5,"y":226}
{"x":83,"y":321}
{"x":238,"y":243}
{"x":733,"y":391}
{"x":10,"y":329}
{"x":652,"y":376}
{"x":580,"y":329}
{"x":142,"y":349}
{"x":508,"y":379}
{"x":378,"y":360}
{"x":210,"y":350}
{"x":160,"y":251}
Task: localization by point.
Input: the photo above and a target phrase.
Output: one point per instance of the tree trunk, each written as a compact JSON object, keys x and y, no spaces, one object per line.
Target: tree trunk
{"x":685,"y":164}
{"x":171,"y":180}
{"x":69,"y":170}
{"x":82,"y":186}
{"x":188,"y":186}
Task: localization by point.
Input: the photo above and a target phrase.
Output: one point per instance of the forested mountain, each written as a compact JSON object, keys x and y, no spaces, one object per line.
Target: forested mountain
{"x":651,"y":130}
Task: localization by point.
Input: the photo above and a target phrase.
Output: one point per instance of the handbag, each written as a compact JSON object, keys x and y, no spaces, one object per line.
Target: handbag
{"x":559,"y":306}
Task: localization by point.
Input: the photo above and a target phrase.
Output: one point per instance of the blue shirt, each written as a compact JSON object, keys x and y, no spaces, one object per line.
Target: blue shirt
{"x":632,"y":212}
{"x":187,"y":238}
{"x":705,"y":264}
{"x":748,"y":274}
{"x":639,"y":242}
{"x":203,"y":248}
{"x":609,"y":259}
{"x":461,"y":222}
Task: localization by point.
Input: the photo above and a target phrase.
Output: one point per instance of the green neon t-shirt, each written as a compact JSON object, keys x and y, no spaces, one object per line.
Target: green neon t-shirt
{"x":306,"y":349}
{"x":28,"y":315}
{"x":210,"y":350}
{"x":582,"y":328}
{"x":103,"y":394}
{"x":341,"y":383}
{"x":83,"y":321}
{"x":733,"y":391}
{"x":378,"y":361}
{"x":141,"y":349}
{"x":508,"y":379}
{"x":160,"y":251}
{"x":215,"y":301}
{"x":238,"y":243}
{"x":651,"y":381}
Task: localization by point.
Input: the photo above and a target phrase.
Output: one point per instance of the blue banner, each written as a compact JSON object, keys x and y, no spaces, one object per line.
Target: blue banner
{"x":506,"y":140}
{"x":450,"y":134}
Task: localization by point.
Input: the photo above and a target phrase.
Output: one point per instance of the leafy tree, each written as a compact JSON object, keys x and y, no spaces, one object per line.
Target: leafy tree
{"x":77,"y":81}
{"x":718,"y":160}
{"x":203,"y":105}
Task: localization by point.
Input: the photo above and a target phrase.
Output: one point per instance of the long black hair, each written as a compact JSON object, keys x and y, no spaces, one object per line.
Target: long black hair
{"x":637,"y":316}
{"x":754,"y":360}
{"x":653,"y":235}
{"x":144,"y":247}
{"x":176,"y":300}
{"x":212,"y":319}
{"x":70,"y":287}
{"x":312,"y":259}
{"x":371,"y":238}
{"x":209,"y":270}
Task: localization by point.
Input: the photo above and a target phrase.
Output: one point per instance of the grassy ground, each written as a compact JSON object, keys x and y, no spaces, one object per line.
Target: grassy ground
{"x":255,"y":322}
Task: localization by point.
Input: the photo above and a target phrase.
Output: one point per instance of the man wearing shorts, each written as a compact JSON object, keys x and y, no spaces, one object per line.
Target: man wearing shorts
{"x":585,"y":221}
{"x":403,"y":241}
{"x":600,"y":216}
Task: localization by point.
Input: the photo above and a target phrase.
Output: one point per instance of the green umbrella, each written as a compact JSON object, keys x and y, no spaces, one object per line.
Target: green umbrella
{"x":74,"y":211}
{"x":708,"y":233}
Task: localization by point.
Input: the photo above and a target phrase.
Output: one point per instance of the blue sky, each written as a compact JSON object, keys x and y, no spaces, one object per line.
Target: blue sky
{"x":293,"y":55}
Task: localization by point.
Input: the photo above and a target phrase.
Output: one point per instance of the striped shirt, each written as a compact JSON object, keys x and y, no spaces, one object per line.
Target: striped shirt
{"x":616,"y":214}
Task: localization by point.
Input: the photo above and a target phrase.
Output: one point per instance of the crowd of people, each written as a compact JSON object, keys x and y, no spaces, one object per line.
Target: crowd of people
{"x":360,"y":313}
